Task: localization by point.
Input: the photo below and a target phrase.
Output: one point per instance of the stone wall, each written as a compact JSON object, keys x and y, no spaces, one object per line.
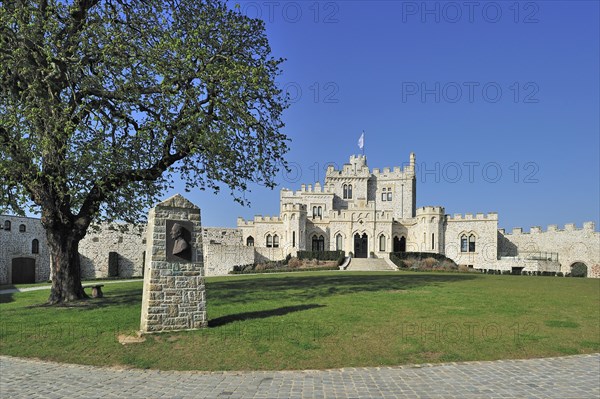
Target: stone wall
{"x":219,"y":259}
{"x":485,"y":229}
{"x":571,"y":243}
{"x":127,"y":241}
{"x":18,"y":244}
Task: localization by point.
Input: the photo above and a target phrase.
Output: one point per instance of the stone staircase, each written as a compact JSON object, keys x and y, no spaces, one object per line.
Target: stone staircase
{"x":363,"y":264}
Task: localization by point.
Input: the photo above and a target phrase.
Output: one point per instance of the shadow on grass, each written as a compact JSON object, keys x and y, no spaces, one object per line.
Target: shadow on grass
{"x":121,"y":297}
{"x":319,"y":286}
{"x":6,"y":298}
{"x":261,"y":314}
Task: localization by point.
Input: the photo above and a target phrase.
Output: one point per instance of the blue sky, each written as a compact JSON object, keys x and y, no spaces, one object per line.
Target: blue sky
{"x":499,"y":101}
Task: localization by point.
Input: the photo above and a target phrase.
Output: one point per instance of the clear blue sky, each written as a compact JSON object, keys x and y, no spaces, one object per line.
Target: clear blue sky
{"x":509,"y":93}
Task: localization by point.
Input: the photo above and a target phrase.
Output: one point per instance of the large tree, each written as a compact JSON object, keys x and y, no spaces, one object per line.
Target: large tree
{"x":104,"y":101}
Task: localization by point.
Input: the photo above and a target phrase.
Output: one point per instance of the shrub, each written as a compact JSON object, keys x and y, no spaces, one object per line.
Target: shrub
{"x":294,"y":263}
{"x":559,"y":274}
{"x":287,"y":259}
{"x":320,"y":255}
{"x":524,"y":273}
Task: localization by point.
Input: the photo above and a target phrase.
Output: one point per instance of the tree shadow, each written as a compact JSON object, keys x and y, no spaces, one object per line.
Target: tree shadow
{"x":261,"y":314}
{"x":6,"y":298}
{"x":319,"y":286}
{"x":119,"y":298}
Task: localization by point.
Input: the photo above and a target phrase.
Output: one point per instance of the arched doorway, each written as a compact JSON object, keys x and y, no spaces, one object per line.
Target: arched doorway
{"x":23,"y":271}
{"x":361,"y":245}
{"x":579,"y":269}
{"x":399,"y":244}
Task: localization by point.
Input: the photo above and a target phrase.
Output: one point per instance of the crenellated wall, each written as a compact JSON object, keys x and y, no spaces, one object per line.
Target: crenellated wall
{"x":572,"y":245}
{"x":483,"y":227}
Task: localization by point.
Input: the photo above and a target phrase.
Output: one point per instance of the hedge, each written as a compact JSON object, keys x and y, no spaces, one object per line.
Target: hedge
{"x":398,"y":257}
{"x":321,"y":255}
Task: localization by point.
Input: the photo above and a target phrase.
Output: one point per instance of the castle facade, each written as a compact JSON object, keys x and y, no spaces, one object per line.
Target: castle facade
{"x":363,"y":212}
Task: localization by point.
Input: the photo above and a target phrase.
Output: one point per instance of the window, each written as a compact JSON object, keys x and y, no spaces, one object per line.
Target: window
{"x":471,"y":243}
{"x":345,"y":191}
{"x":318,"y":243}
{"x":383,"y":195}
{"x":463,"y":244}
{"x":320,"y":212}
{"x":22,"y":228}
{"x":432,"y":240}
{"x":250,"y":241}
{"x":349,"y":191}
{"x":275,"y":241}
{"x":382,"y":242}
{"x":35,"y":247}
{"x":7,"y":225}
{"x":338,"y":242}
{"x":269,"y":241}
{"x":293,"y":239}
{"x":389,"y":194}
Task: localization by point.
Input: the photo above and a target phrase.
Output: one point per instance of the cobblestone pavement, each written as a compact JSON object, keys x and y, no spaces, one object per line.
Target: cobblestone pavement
{"x":565,"y":377}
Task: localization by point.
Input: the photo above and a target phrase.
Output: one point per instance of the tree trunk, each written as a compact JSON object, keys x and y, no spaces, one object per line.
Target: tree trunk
{"x":66,"y":273}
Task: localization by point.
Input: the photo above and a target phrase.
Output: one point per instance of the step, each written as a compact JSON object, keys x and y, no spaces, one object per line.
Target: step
{"x":368,"y":264}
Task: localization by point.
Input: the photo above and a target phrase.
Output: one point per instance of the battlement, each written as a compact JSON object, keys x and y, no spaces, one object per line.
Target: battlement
{"x":427,"y":210}
{"x":470,"y":216}
{"x":552,"y":228}
{"x":304,"y":189}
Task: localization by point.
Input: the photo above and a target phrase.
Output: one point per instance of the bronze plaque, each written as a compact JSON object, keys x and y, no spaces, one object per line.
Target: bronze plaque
{"x":179,"y":241}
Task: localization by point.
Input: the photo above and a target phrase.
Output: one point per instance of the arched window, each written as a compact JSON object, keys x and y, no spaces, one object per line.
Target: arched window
{"x":338,"y":242}
{"x":345,"y":186}
{"x":269,"y":241}
{"x":250,"y":241}
{"x":471,"y":243}
{"x":349,"y":191}
{"x":275,"y":241}
{"x":22,"y":228}
{"x":320,"y":212}
{"x":35,"y":247}
{"x":463,"y":244}
{"x":314,"y":212}
{"x":382,"y":242}
{"x":318,"y":243}
{"x":7,"y":225}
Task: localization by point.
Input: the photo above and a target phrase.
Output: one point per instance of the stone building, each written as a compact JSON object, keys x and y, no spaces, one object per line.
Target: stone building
{"x":364,"y":212}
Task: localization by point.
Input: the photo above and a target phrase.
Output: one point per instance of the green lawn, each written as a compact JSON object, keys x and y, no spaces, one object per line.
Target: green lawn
{"x":321,"y":320}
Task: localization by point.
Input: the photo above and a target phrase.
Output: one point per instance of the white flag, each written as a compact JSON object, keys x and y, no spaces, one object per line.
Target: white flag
{"x":361,"y":141}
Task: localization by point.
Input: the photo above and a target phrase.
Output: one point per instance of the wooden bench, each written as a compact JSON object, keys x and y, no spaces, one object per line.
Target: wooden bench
{"x":96,"y":290}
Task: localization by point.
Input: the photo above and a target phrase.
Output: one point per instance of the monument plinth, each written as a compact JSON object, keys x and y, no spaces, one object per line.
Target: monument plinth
{"x":174,"y":293}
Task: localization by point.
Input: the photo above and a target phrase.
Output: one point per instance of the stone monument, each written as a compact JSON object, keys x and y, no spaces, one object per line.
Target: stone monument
{"x":174,"y":294}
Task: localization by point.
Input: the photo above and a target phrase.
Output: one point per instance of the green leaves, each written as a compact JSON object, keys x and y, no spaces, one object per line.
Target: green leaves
{"x":102,"y":100}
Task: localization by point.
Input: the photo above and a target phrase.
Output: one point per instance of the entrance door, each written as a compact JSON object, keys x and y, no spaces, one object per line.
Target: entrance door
{"x":361,"y":246}
{"x":23,"y":270}
{"x":399,"y":244}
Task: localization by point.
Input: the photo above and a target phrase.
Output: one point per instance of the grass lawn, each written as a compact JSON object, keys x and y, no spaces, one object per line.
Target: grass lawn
{"x":319,"y":320}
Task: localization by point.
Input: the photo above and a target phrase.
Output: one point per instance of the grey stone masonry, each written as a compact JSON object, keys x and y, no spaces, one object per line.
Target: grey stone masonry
{"x":174,"y":292}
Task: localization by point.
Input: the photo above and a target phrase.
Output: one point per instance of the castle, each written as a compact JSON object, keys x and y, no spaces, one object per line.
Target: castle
{"x":366,"y":213}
